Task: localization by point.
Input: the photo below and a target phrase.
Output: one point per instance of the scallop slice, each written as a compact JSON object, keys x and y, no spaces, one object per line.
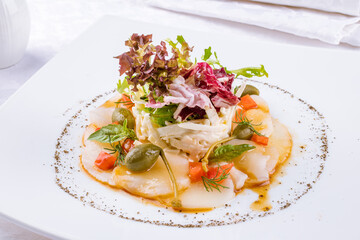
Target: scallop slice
{"x":273,"y":152}
{"x":90,"y":152}
{"x":253,"y":162}
{"x":101,"y":116}
{"x":281,"y":140}
{"x":196,"y":196}
{"x":238,"y":178}
{"x":111,"y":103}
{"x":155,"y":182}
{"x":261,"y":121}
{"x":262,"y":104}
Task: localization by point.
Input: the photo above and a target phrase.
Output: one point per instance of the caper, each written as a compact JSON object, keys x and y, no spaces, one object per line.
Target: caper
{"x":142,"y":157}
{"x":250,"y":90}
{"x":120,"y":114}
{"x":243,"y":132}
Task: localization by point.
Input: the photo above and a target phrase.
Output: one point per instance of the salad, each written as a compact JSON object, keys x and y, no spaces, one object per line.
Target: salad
{"x":179,"y":132}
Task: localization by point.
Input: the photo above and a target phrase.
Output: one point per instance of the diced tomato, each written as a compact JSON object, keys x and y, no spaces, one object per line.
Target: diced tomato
{"x":127,"y":145}
{"x":116,"y":123}
{"x":196,"y":171}
{"x":260,"y":139}
{"x":105,"y":161}
{"x":97,"y":129}
{"x":246,"y":102}
{"x":215,"y":172}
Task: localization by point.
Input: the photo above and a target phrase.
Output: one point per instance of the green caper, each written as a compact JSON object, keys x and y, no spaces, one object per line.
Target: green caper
{"x":250,"y":90}
{"x":243,"y":132}
{"x":120,"y":114}
{"x":142,"y":157}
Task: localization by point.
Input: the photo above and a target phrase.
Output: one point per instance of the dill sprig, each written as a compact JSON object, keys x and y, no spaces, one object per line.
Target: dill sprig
{"x":243,"y":120}
{"x":215,"y":182}
{"x":117,"y":148}
{"x":128,"y":103}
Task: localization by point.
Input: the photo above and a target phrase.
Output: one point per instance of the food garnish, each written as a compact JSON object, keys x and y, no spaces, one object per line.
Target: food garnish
{"x":216,"y":176}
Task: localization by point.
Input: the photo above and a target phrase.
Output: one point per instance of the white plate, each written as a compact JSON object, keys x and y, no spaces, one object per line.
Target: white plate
{"x":34,"y":117}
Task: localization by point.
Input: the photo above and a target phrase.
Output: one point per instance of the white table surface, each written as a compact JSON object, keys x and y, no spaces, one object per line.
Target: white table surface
{"x":56,"y":23}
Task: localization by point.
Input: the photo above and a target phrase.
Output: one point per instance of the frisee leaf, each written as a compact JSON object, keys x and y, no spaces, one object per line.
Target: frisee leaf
{"x":180,"y":39}
{"x":113,"y":133}
{"x":229,"y":152}
{"x":122,"y":85}
{"x":207,"y":54}
{"x":250,"y":72}
{"x":214,"y":63}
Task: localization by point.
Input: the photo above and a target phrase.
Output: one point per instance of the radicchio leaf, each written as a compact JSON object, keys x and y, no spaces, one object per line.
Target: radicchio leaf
{"x":202,"y":75}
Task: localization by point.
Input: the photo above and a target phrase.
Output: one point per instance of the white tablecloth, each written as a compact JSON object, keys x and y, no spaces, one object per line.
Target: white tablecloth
{"x":56,"y":23}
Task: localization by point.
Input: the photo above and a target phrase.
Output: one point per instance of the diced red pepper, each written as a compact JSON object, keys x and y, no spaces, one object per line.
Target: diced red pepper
{"x":105,"y":161}
{"x":260,"y":139}
{"x":246,"y":102}
{"x":127,"y":145}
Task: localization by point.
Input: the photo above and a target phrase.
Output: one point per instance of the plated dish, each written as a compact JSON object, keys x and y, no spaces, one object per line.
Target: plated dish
{"x":52,"y":194}
{"x":179,"y":132}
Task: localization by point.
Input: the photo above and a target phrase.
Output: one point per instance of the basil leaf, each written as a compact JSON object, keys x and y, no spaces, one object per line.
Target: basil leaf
{"x":250,"y":72}
{"x":113,"y":133}
{"x":229,"y":152}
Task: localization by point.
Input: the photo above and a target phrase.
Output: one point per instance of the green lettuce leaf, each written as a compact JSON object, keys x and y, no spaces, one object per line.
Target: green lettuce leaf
{"x":113,"y":133}
{"x":161,"y":115}
{"x":229,"y":152}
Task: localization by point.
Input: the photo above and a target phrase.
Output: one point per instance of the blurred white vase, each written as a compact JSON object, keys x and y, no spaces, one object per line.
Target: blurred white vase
{"x":14,"y":31}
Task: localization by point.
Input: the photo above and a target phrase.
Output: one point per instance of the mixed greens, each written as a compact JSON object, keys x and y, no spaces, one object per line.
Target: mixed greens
{"x":155,"y":70}
{"x":171,"y":89}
